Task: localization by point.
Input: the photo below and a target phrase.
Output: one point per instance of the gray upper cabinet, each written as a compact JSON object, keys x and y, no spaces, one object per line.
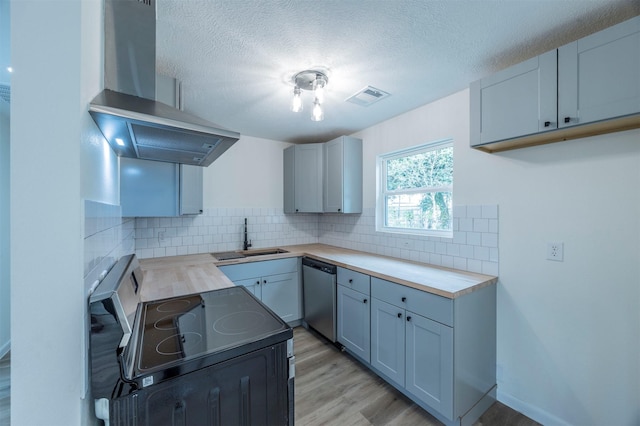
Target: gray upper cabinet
{"x":303,"y":178}
{"x":599,"y":76}
{"x":157,"y":189}
{"x":343,"y":175}
{"x":515,"y":102}
{"x":191,"y":189}
{"x":588,"y":87}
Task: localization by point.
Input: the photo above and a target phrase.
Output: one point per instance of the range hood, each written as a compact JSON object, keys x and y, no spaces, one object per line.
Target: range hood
{"x":129,"y":117}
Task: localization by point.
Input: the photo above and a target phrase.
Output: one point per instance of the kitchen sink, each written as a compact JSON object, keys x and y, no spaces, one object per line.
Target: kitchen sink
{"x":263,"y":252}
{"x":228,"y":255}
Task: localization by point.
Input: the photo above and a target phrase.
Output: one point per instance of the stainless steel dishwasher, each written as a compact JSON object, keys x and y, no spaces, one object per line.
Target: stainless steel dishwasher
{"x":319,"y":289}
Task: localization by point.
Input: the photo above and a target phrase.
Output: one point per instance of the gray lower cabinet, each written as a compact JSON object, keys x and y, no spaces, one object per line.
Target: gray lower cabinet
{"x":354,"y":315}
{"x":415,"y":352}
{"x":439,"y":352}
{"x":388,"y":340}
{"x":354,"y":322}
{"x":275,"y":282}
{"x":429,"y":362}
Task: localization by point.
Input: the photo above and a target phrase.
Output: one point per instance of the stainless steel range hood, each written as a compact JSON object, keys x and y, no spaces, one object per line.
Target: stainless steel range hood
{"x":129,"y":117}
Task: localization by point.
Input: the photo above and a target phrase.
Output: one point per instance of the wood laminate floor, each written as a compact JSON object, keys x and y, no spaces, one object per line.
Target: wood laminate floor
{"x":5,"y":388}
{"x":332,"y":388}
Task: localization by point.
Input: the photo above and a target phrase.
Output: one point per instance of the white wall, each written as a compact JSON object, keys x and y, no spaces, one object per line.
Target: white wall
{"x":4,"y":183}
{"x":568,"y":332}
{"x":57,"y":158}
{"x":5,"y":335}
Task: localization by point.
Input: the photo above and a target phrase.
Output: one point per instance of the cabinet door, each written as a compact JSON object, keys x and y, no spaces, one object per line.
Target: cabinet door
{"x":308,"y":178}
{"x":191,"y":190}
{"x":289,"y":167}
{"x":281,"y":293}
{"x":251,"y":284}
{"x":343,"y":175}
{"x":599,"y":75}
{"x":388,"y":340}
{"x":148,"y":188}
{"x":333,"y":176}
{"x":429,"y":361}
{"x":518,"y":101}
{"x":354,"y":322}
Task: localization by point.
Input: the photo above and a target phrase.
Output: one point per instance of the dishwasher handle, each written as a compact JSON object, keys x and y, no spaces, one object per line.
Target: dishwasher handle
{"x":321,"y":266}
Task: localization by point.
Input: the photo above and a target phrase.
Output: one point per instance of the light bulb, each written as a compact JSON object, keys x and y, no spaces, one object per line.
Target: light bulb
{"x":296,"y":103}
{"x":119,"y":141}
{"x":317,"y":114}
{"x":318,"y":89}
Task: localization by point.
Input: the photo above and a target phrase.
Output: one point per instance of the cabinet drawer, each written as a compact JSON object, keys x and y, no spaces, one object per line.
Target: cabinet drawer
{"x":354,"y":280}
{"x":429,"y":305}
{"x":245,"y":271}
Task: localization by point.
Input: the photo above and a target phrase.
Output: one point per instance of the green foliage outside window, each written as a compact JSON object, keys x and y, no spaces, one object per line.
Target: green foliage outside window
{"x":418,"y":191}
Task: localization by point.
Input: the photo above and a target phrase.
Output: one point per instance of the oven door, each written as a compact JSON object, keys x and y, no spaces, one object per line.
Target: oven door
{"x":252,"y":389}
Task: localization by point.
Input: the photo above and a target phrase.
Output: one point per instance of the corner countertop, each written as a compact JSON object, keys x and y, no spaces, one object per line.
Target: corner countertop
{"x":179,"y":275}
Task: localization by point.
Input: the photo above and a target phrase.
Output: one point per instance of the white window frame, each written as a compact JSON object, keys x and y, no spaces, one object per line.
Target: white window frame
{"x":381,"y":193}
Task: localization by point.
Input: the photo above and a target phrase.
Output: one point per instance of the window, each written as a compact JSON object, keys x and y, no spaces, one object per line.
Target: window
{"x":415,"y":190}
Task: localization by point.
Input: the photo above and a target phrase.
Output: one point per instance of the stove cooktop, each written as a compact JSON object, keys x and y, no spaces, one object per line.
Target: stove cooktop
{"x":204,"y":328}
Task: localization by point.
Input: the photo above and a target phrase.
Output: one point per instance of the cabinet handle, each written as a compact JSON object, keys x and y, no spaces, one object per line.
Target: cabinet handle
{"x":296,"y":210}
{"x":547,"y":123}
{"x":339,"y":209}
{"x":350,"y":281}
{"x":409,"y":318}
{"x":570,"y":119}
{"x":399,"y":315}
{"x":258,"y":282}
{"x":365,"y":300}
{"x":404,"y":299}
{"x":264,"y":281}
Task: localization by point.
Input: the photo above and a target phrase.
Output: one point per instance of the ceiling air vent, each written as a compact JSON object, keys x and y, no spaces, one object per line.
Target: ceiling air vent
{"x":367,"y":96}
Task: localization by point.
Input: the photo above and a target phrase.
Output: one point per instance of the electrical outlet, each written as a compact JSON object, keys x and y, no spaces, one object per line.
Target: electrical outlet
{"x":555,"y":251}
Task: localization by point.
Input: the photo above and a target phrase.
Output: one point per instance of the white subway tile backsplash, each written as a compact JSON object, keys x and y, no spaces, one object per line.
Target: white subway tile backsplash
{"x":465,"y":224}
{"x":489,"y":239}
{"x":474,"y":238}
{"x":480,"y":225}
{"x":107,"y":237}
{"x":490,"y":211}
{"x":490,"y":268}
{"x":474,"y":245}
{"x":474,"y":212}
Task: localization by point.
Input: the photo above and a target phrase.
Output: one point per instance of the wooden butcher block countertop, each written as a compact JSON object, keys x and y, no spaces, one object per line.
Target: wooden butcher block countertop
{"x":178,"y":275}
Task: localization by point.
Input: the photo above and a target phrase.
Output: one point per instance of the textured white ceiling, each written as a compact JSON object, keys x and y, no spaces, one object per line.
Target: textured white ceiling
{"x":235,"y":58}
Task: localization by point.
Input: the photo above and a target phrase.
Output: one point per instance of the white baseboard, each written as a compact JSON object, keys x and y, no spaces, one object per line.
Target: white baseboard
{"x":531,"y":411}
{"x":5,"y":348}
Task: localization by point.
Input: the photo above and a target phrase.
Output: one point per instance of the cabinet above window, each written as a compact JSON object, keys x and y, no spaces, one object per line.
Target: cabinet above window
{"x":585,"y":88}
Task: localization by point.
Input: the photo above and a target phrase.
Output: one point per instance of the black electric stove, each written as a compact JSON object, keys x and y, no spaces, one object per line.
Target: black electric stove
{"x":178,"y":335}
{"x":218,"y":357}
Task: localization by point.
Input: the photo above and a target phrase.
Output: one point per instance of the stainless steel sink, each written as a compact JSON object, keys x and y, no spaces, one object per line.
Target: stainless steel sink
{"x":228,"y":255}
{"x":263,"y":252}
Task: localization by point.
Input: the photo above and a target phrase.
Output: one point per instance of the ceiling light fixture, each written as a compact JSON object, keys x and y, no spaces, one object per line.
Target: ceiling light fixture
{"x":312,"y":80}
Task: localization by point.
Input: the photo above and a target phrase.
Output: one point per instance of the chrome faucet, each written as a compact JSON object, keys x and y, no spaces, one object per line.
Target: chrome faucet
{"x":247,"y":243}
